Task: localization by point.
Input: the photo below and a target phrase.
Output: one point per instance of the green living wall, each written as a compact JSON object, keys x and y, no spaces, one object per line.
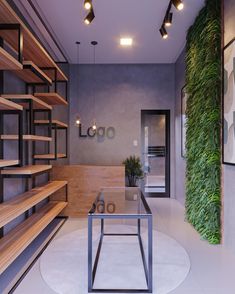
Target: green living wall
{"x":203,"y":84}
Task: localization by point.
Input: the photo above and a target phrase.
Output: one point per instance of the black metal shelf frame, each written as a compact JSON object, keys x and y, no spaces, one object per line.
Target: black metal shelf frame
{"x":53,"y":126}
{"x":15,"y":27}
{"x":20,"y":133}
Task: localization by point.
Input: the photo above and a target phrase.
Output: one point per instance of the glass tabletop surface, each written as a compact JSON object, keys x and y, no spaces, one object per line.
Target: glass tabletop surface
{"x":121,"y":201}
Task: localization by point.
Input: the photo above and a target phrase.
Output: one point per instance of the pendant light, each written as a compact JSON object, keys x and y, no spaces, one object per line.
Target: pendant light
{"x":94,"y":126}
{"x":78,"y":119}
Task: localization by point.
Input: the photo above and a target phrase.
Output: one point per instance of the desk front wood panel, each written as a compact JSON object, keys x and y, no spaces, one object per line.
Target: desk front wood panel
{"x":84,"y":182}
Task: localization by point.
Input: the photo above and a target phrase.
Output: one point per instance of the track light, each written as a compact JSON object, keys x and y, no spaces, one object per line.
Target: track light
{"x":89,"y":18}
{"x":168,"y":19}
{"x":178,"y":4}
{"x":87,"y":4}
{"x":163,"y":32}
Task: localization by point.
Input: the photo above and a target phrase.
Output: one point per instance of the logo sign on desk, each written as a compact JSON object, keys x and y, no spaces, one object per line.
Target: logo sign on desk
{"x":100,"y":132}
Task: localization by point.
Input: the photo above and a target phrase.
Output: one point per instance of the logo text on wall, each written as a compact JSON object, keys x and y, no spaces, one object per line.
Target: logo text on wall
{"x":100,"y":132}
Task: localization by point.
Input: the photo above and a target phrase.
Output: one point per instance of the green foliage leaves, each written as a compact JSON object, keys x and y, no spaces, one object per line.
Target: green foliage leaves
{"x":133,"y":170}
{"x":203,"y":79}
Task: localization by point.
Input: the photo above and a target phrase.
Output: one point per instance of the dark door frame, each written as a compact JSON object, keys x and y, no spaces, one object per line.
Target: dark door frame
{"x":165,"y":112}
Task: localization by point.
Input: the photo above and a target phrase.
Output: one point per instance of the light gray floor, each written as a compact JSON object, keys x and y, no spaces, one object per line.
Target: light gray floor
{"x":212,"y":267}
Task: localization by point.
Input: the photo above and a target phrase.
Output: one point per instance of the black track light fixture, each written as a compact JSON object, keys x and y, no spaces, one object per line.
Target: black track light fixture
{"x":163,"y":32}
{"x":89,"y":18}
{"x":178,"y":4}
{"x":88,"y":4}
{"x":168,"y":19}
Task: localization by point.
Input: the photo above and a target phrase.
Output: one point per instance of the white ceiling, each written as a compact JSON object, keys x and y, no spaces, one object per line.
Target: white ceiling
{"x":139,"y":19}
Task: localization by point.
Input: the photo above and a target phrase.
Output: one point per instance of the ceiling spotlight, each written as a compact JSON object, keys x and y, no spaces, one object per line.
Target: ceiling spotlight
{"x":168,"y":19}
{"x":89,"y":18}
{"x":87,"y":4}
{"x":126,"y":41}
{"x":163,"y":32}
{"x":178,"y":4}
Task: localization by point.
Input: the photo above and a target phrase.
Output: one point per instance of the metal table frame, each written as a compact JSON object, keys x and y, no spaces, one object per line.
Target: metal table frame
{"x":147,"y":268}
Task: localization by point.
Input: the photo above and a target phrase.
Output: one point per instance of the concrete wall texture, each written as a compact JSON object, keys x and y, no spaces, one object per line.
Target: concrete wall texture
{"x":115,"y":95}
{"x":180,"y":163}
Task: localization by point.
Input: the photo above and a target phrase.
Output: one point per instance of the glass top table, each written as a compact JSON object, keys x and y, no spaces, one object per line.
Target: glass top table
{"x":120,"y":203}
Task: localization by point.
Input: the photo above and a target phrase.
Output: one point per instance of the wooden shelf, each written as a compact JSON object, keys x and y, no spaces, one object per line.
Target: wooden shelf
{"x":51,"y":98}
{"x":6,"y":162}
{"x":15,"y":242}
{"x":9,"y":105}
{"x":27,"y":138}
{"x":37,"y":103}
{"x":32,"y":49}
{"x":11,"y":209}
{"x":28,"y":170}
{"x":49,"y":156}
{"x":8,"y":62}
{"x":58,"y":123}
{"x":32,"y":74}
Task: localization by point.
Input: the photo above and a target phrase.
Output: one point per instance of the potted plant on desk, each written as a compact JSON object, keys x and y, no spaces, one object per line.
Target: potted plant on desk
{"x":133,"y":170}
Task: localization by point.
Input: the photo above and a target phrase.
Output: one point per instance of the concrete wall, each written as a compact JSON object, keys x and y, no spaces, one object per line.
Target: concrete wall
{"x":229,"y":171}
{"x":114,"y":95}
{"x":180,"y":163}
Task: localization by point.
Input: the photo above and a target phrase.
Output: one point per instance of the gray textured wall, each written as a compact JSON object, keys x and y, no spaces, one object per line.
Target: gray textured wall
{"x":180,"y":162}
{"x":121,"y":91}
{"x":229,"y":171}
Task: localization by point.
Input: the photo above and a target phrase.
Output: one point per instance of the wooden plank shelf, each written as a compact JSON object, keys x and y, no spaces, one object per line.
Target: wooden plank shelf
{"x":27,"y":138}
{"x":59,"y":124}
{"x":37,"y":103}
{"x":8,"y":162}
{"x":32,"y":49}
{"x":8,"y":62}
{"x":49,"y":156}
{"x":51,"y":98}
{"x":28,"y":170}
{"x":11,"y":209}
{"x":17,"y":240}
{"x":32,"y":74}
{"x":9,"y":105}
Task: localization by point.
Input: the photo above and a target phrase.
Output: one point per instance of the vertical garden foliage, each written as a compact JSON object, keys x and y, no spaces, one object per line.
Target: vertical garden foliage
{"x":203,"y":80}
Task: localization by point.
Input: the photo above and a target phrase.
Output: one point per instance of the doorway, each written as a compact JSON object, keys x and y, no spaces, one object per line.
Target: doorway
{"x":155,"y":148}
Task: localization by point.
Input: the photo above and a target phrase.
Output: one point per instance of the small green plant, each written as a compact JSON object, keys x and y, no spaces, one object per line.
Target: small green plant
{"x":133,"y":170}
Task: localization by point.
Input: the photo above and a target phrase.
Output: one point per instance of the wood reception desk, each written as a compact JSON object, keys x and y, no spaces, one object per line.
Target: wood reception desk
{"x":84,"y":182}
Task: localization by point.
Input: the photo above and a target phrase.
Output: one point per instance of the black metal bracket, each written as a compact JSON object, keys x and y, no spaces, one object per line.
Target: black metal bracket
{"x":53,"y":126}
{"x":17,"y":27}
{"x":56,"y":81}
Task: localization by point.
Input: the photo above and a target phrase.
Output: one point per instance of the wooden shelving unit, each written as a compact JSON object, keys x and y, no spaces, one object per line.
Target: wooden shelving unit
{"x":58,"y":123}
{"x":35,"y":67}
{"x":28,"y":170}
{"x":32,"y":49}
{"x":6,"y":162}
{"x":50,"y":156}
{"x":8,"y":62}
{"x":11,"y":209}
{"x":26,"y":138}
{"x":51,"y":98}
{"x":23,"y":100}
{"x":14,"y":243}
{"x":8,"y":105}
{"x":32,"y":74}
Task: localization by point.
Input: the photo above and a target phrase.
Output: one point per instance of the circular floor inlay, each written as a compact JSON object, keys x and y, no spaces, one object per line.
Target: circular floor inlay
{"x":64,"y":264}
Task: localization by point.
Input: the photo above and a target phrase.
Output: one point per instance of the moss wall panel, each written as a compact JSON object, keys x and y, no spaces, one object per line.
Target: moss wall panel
{"x":203,"y":79}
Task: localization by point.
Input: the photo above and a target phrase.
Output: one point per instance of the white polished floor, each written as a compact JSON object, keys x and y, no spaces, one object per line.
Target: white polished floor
{"x":212,"y":267}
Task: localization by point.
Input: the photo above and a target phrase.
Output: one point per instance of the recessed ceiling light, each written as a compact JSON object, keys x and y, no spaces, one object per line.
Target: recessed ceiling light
{"x":126,"y":41}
